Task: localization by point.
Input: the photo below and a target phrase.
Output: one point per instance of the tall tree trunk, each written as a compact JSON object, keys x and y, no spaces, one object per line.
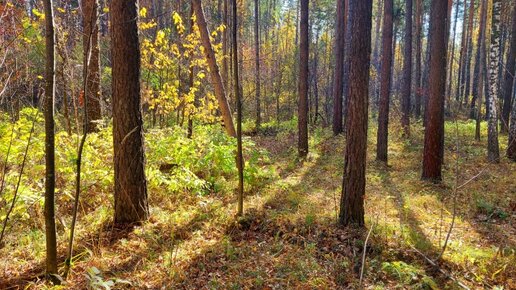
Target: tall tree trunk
{"x":407,"y":71}
{"x":467,"y":70}
{"x":339,"y":66}
{"x":510,"y":72}
{"x":353,"y":185}
{"x":257,"y":61}
{"x":417,"y":72}
{"x":493,"y":148}
{"x":303,"y":81}
{"x":511,"y":148}
{"x":239,"y":157}
{"x":434,"y":133}
{"x":451,"y":59}
{"x":479,"y":62}
{"x":385,"y":83}
{"x":91,"y":57}
{"x":463,"y":51}
{"x":129,"y":157}
{"x":218,"y":85}
{"x":50,"y":182}
{"x":374,"y":90}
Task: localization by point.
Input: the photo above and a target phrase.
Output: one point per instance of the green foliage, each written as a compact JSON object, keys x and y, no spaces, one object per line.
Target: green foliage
{"x":201,"y":164}
{"x":409,"y":275}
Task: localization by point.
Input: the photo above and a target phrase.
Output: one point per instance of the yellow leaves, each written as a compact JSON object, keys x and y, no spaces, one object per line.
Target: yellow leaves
{"x":40,"y":77}
{"x":38,"y":14}
{"x":105,"y":9}
{"x":61,"y":10}
{"x":143,"y":12}
{"x":148,"y":25}
{"x":160,"y":38}
{"x":178,"y":22}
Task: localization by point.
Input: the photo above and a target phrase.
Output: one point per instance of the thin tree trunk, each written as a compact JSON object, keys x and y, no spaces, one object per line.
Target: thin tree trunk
{"x":407,"y":71}
{"x":92,"y":59}
{"x":452,"y":58}
{"x":257,"y":61}
{"x":339,"y":66}
{"x":385,"y":83}
{"x":417,"y":72}
{"x":218,"y":85}
{"x":467,"y":70}
{"x":50,"y":182}
{"x":303,"y":81}
{"x":353,"y":185}
{"x":239,"y":157}
{"x":479,"y":62}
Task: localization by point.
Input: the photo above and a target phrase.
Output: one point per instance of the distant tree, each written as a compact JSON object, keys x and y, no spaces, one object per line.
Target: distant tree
{"x":469,"y":52}
{"x":91,"y":57}
{"x":510,"y":72}
{"x":218,"y":85}
{"x":493,"y":149}
{"x":385,"y":83}
{"x":353,"y":187}
{"x":511,"y":148}
{"x":407,"y":70}
{"x":257,"y":61}
{"x":434,"y":133}
{"x":236,"y":81}
{"x":479,"y":76}
{"x":418,"y":35}
{"x":340,"y":36}
{"x":129,"y":157}
{"x":50,"y":174}
{"x":303,"y":81}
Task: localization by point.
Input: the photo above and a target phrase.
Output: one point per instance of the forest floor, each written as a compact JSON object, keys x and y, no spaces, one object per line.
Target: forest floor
{"x":289,"y":239}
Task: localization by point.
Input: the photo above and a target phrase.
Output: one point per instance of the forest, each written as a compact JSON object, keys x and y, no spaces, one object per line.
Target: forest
{"x":258,"y":144}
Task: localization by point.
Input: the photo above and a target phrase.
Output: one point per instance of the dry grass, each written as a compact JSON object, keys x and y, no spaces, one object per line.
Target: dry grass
{"x":289,"y":238}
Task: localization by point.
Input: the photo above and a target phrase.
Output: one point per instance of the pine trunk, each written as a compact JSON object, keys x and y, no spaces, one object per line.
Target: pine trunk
{"x":434,"y":133}
{"x":353,"y":186}
{"x":303,"y":81}
{"x":385,"y":83}
{"x":510,"y":72}
{"x":91,"y":60}
{"x":129,"y":157}
{"x":407,"y":70}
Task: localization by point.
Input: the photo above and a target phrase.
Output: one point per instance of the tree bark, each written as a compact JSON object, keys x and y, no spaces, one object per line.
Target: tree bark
{"x":239,"y":157}
{"x":493,"y":148}
{"x":407,"y":71}
{"x":303,"y":81}
{"x":50,"y":182}
{"x":339,"y":66}
{"x":467,"y":69}
{"x":417,"y":72}
{"x":91,"y":58}
{"x":257,"y":61}
{"x":479,"y":62}
{"x":434,"y":133}
{"x":218,"y":85}
{"x":129,"y":157}
{"x":510,"y":72}
{"x":385,"y":83}
{"x":353,"y":186}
